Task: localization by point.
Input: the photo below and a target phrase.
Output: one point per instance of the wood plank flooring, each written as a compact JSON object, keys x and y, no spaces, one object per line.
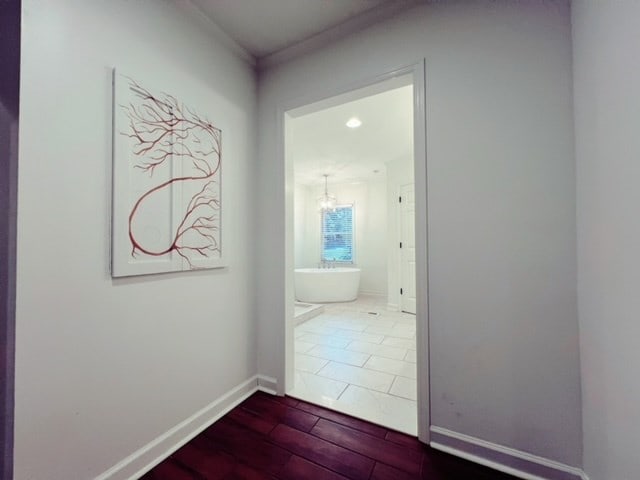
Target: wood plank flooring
{"x":269,"y":437}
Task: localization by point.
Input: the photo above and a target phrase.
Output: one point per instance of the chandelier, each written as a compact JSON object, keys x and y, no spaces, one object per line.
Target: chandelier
{"x":326,"y":201}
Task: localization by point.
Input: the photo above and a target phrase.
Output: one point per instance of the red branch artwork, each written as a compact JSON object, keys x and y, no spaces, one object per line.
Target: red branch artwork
{"x":164,"y":131}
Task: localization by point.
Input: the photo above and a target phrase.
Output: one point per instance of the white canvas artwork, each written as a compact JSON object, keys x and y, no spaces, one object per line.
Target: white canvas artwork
{"x":167,"y":174}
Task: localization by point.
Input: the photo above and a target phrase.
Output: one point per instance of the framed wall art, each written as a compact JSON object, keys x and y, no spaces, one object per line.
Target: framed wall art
{"x":167,"y":183}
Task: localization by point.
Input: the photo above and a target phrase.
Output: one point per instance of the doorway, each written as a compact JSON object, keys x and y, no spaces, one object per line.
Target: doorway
{"x":374,"y":346}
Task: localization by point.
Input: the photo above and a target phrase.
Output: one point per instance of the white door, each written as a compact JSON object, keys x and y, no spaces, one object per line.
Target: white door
{"x":407,"y":249}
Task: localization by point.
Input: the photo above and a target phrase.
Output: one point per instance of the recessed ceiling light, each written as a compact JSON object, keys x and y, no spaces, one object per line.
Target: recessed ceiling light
{"x":353,"y":122}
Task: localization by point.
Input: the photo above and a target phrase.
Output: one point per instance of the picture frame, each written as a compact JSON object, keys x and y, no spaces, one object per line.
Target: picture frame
{"x":167,"y":183}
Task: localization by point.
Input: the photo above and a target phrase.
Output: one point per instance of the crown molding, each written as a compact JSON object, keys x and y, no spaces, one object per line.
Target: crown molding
{"x":337,"y":32}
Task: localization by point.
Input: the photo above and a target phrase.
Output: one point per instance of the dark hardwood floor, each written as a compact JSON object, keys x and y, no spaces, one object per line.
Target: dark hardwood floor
{"x":269,"y":437}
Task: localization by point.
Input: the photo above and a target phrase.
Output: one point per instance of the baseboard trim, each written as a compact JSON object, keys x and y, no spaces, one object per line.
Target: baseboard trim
{"x":144,"y":459}
{"x":367,"y":293}
{"x":505,"y":459}
{"x":393,"y":307}
{"x":268,"y":384}
{"x":313,"y":311}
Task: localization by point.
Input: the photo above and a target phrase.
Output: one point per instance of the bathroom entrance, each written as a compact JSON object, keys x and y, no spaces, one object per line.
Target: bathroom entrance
{"x":357,"y":326}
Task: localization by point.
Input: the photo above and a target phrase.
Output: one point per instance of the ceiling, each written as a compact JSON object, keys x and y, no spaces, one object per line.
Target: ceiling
{"x":263,"y":27}
{"x":269,"y":31}
{"x":322,"y":143}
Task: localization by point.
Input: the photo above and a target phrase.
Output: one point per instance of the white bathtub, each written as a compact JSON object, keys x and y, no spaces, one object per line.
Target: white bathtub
{"x":324,"y":285}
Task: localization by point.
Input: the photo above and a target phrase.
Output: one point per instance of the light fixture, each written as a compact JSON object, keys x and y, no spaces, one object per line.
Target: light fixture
{"x":353,"y":122}
{"x":326,"y":202}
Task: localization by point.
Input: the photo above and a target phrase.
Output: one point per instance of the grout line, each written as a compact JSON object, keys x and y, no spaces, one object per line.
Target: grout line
{"x":391,"y":385}
{"x":389,"y":373}
{"x":325,"y":364}
{"x":388,"y":392}
{"x":368,"y":358}
{"x":343,"y":390}
{"x":309,"y":354}
{"x":354,"y":384}
{"x":351,"y":317}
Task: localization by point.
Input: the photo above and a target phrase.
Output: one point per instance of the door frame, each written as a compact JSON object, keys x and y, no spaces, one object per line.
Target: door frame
{"x":418,"y":74}
{"x":10,"y":14}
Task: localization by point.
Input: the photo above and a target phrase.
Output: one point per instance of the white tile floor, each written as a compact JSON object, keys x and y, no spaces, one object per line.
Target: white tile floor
{"x":360,"y":359}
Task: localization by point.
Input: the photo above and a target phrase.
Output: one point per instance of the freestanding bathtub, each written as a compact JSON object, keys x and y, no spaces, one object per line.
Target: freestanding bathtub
{"x":324,"y":285}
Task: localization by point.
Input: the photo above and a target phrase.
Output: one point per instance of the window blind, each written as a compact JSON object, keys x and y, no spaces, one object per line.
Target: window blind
{"x":337,"y":234}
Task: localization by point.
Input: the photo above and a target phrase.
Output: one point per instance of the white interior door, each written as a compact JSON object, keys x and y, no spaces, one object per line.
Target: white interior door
{"x":407,"y":249}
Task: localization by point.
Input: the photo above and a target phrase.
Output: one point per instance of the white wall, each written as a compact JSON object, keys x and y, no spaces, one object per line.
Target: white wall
{"x":103,"y":367}
{"x":308,"y":221}
{"x":370,"y":220}
{"x":606,"y":36}
{"x":502,"y":269}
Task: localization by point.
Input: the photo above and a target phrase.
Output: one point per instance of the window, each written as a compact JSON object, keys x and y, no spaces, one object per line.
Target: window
{"x":337,"y":234}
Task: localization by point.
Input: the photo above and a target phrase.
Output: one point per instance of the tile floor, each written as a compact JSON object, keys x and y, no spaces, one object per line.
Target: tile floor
{"x":359,"y":358}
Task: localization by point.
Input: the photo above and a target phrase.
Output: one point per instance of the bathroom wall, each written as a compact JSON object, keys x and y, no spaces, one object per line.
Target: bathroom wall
{"x":501,"y":211}
{"x":370,"y":220}
{"x":607,"y":116}
{"x":103,"y":367}
{"x":299,"y":224}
